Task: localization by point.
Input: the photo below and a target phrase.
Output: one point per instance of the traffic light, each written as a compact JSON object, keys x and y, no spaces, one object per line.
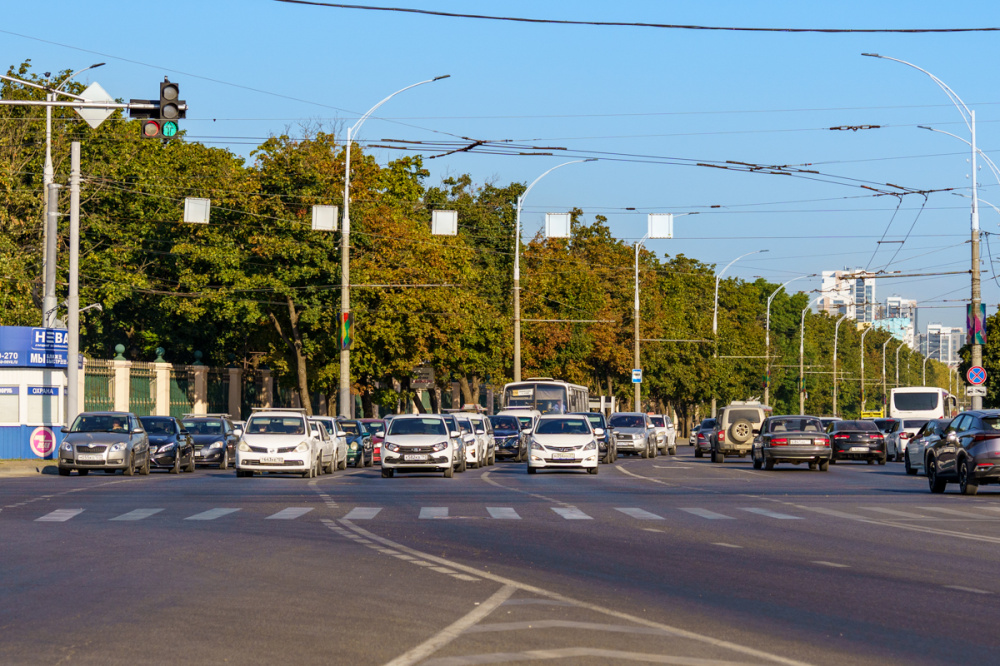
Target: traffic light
{"x":161,"y":123}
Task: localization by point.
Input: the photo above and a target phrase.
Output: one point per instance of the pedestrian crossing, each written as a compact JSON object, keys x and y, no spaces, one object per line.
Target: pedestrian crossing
{"x":543,"y":512}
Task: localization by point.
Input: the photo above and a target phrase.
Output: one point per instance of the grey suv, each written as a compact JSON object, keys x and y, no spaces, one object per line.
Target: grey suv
{"x":634,"y":433}
{"x":736,"y":427}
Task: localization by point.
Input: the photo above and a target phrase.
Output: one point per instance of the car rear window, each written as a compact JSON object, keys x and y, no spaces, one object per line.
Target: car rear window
{"x":991,"y":422}
{"x":707,"y":424}
{"x":751,"y":415}
{"x":794,"y":425}
{"x":914,"y":423}
{"x":857,"y":425}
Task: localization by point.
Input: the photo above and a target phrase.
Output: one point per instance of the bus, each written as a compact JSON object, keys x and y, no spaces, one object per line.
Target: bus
{"x":547,"y":395}
{"x":920,"y":402}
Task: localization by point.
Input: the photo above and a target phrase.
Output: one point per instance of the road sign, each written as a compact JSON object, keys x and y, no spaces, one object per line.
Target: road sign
{"x":636,"y":376}
{"x":95,"y":116}
{"x":976,"y":375}
{"x":975,"y":391}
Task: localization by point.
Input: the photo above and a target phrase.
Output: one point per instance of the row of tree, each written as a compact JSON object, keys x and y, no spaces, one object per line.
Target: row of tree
{"x":258,"y":286}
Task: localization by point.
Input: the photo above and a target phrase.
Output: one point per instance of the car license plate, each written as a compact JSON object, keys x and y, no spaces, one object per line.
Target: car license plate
{"x":89,"y":456}
{"x":200,"y":452}
{"x":272,"y":460}
{"x":414,"y":456}
{"x":563,"y":456}
{"x":800,"y":442}
{"x":859,"y":448}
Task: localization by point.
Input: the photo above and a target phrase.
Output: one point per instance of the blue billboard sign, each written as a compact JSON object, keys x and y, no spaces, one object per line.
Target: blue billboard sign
{"x":28,"y":347}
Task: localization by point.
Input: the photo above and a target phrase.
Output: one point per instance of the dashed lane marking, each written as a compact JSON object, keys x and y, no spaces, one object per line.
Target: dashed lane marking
{"x":835,"y":565}
{"x":973,"y":590}
{"x":433,"y":512}
{"x":291,"y":513}
{"x":211,"y":514}
{"x":571,"y":513}
{"x":705,"y":513}
{"x":138,"y":514}
{"x":726,"y":545}
{"x":502,"y":513}
{"x":59,"y":516}
{"x":362,"y":513}
{"x":640,"y":514}
{"x":770,"y":514}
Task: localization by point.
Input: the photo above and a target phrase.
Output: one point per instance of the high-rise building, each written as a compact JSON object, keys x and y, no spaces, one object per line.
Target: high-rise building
{"x":899,"y":318}
{"x":851,"y":293}
{"x":942,"y":343}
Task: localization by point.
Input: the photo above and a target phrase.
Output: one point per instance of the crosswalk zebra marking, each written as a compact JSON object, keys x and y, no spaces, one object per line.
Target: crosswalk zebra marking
{"x":211,"y":514}
{"x":705,"y":513}
{"x":291,"y":513}
{"x":59,"y":516}
{"x":362,"y":513}
{"x":502,"y":513}
{"x":771,"y":514}
{"x":138,"y":514}
{"x":640,"y":514}
{"x":571,"y":513}
{"x":433,"y":512}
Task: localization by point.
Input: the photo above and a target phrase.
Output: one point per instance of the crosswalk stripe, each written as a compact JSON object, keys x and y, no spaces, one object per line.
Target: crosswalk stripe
{"x":428,"y":512}
{"x":138,"y":514}
{"x":571,"y":513}
{"x":503,"y":513}
{"x":211,"y":514}
{"x":59,"y":516}
{"x":950,"y":512}
{"x":772,"y":514}
{"x":705,"y":513}
{"x":893,"y":512}
{"x":291,"y":513}
{"x":362,"y":513}
{"x":640,"y":514}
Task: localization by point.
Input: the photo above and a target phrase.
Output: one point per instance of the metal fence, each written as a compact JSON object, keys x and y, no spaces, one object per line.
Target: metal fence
{"x":252,"y":394}
{"x":181,"y":391}
{"x":142,"y":388}
{"x":218,"y":391}
{"x":98,"y":385}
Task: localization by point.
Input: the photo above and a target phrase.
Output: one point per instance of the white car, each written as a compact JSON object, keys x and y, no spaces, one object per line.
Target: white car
{"x":475,"y":449}
{"x":563,"y":440}
{"x":900,"y":435}
{"x":419,"y":443}
{"x":527,"y":417}
{"x":339,"y":441}
{"x":278,"y":441}
{"x":485,"y":444}
{"x":664,"y":438}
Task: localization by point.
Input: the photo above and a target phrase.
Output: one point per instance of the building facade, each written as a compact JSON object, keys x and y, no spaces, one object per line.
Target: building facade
{"x":851,"y":293}
{"x":942,"y":343}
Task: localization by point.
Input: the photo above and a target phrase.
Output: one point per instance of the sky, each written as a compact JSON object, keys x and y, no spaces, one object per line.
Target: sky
{"x":650,"y":103}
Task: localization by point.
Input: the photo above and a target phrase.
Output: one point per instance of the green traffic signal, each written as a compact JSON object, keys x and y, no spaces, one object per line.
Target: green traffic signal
{"x":169,"y":128}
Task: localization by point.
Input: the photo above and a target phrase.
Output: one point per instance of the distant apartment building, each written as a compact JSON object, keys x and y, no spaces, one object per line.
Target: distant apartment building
{"x":849,"y":292}
{"x":942,"y":343}
{"x":899,"y":318}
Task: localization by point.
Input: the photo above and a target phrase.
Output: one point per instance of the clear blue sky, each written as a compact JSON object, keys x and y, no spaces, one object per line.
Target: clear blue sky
{"x":762,"y":98}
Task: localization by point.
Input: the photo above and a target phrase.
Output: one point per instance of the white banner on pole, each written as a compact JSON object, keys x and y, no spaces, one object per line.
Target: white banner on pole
{"x":661,"y":225}
{"x":196,"y":210}
{"x":324,"y":218}
{"x":557,"y":225}
{"x":444,"y":222}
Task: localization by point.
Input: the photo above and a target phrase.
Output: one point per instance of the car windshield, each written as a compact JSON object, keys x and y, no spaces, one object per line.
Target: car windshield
{"x":525,"y":421}
{"x":374,"y":427}
{"x":449,"y":422}
{"x":909,"y":424}
{"x":350,"y":427}
{"x":751,"y":415}
{"x":155,"y":426}
{"x":596,"y":420}
{"x":794,"y":425}
{"x":505,"y":423}
{"x":203,"y":427}
{"x":868,"y":426}
{"x":885,"y":425}
{"x":276,"y":425}
{"x":464,"y":425}
{"x":428,"y":426}
{"x":100,"y":423}
{"x":627,"y":421}
{"x":563,"y":427}
{"x":658,"y":421}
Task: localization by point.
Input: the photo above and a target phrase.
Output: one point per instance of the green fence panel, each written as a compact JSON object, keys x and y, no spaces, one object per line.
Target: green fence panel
{"x":181,"y":392}
{"x":98,"y":386}
{"x":142,"y":389}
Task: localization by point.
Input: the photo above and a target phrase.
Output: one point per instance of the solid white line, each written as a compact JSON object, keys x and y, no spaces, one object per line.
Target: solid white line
{"x":640,"y":514}
{"x":571,"y":513}
{"x":564,"y":624}
{"x":211,"y":514}
{"x":503,"y":513}
{"x":362,"y":513}
{"x":832,"y":564}
{"x":138,"y":514}
{"x":575,"y":655}
{"x":894,"y":512}
{"x":966,"y":589}
{"x":771,"y":514}
{"x":291,"y":513}
{"x":705,"y":513}
{"x":726,"y":545}
{"x":431,"y":512}
{"x":950,"y":512}
{"x":59,"y":516}
{"x":454,"y":630}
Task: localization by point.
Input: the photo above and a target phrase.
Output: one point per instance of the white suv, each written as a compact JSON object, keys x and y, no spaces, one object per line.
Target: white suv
{"x":278,"y":441}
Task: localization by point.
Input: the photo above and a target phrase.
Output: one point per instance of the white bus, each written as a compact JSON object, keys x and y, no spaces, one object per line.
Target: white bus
{"x":547,"y":395}
{"x":920,"y":402}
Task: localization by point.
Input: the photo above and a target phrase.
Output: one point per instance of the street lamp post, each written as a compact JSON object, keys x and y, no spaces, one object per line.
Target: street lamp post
{"x":345,"y":255}
{"x":969,"y":117}
{"x":767,"y":340}
{"x":897,"y":363}
{"x":885,"y":396}
{"x":802,"y":354}
{"x":715,"y":313}
{"x":836,"y":330}
{"x":924,"y":380}
{"x":863,"y":334}
{"x":517,"y":267}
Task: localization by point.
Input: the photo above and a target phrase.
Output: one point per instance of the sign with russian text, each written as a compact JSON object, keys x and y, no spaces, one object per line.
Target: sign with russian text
{"x":27,"y":347}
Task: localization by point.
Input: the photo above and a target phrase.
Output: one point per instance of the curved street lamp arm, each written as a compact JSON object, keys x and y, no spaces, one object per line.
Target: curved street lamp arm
{"x":952,"y":95}
{"x":989,"y":162}
{"x":362,"y":119}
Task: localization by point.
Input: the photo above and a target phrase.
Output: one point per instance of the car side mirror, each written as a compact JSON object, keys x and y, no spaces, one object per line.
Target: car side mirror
{"x":455,"y":433}
{"x":238,"y":432}
{"x":480,"y":431}
{"x":185,"y":433}
{"x":64,"y":429}
{"x":525,"y":428}
{"x":341,"y":433}
{"x":599,"y":432}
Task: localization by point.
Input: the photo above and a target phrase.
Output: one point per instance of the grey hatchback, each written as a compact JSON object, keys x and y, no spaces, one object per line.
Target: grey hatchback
{"x":109,"y":441}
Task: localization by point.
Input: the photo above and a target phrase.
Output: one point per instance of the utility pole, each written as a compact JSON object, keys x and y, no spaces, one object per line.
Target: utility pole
{"x":73,"y":298}
{"x":885,"y":395}
{"x":863,"y":397}
{"x":836,"y":330}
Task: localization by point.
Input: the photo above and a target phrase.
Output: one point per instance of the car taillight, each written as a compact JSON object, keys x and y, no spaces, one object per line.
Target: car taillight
{"x":722,"y":436}
{"x":841,"y":436}
{"x":904,"y":435}
{"x":877,"y":435}
{"x":779,"y":441}
{"x":984,"y":465}
{"x":823,"y":442}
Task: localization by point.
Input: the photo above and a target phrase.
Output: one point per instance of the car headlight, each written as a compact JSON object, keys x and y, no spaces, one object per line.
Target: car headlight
{"x":535,"y":446}
{"x":392,"y":447}
{"x":217,"y":445}
{"x":67,"y":446}
{"x":244,"y":447}
{"x":354,"y":446}
{"x":590,"y":446}
{"x":439,"y":447}
{"x":118,"y":447}
{"x":303,"y":446}
{"x":168,"y":447}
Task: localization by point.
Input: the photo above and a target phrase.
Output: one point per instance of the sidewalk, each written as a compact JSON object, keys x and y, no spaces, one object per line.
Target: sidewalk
{"x":10,"y":468}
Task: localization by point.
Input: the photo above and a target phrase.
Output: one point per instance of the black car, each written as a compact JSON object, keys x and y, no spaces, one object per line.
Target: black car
{"x":510,"y":443}
{"x":360,"y":450}
{"x":969,"y":453}
{"x":606,"y":445}
{"x":171,"y":447}
{"x":792,"y":439}
{"x":857,"y":440}
{"x":702,"y":442}
{"x":215,"y":439}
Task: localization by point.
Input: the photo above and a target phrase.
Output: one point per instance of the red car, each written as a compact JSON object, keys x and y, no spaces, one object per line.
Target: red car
{"x":376,"y":428}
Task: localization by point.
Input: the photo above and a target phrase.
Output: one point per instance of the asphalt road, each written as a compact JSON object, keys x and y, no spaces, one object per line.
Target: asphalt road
{"x":673,"y":560}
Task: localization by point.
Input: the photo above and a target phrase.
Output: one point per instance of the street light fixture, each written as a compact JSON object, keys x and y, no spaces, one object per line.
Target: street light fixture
{"x":345,"y":257}
{"x":969,"y":117}
{"x":517,"y":265}
{"x":767,"y":339}
{"x":885,"y":395}
{"x":836,"y":337}
{"x":802,"y":349}
{"x":865,"y":332}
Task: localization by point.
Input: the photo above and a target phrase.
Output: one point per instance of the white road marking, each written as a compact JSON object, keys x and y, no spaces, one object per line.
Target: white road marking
{"x":138,"y":514}
{"x":571,"y":513}
{"x":894,"y":512}
{"x":640,"y":514}
{"x":503,"y":513}
{"x":362,"y":513}
{"x":771,"y":514}
{"x":575,"y":655}
{"x":565,"y":624}
{"x":950,"y":512}
{"x":705,"y":513}
{"x":726,"y":545}
{"x":291,"y":513}
{"x":211,"y":514}
{"x":431,"y":512}
{"x":59,"y":516}
{"x":967,"y":589}
{"x":831,"y":512}
{"x":832,"y":564}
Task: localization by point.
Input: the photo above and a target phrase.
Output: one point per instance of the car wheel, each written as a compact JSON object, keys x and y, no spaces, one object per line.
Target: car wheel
{"x":370,"y":461}
{"x":388,"y":473}
{"x":698,"y":453}
{"x":463,"y":466}
{"x":225,"y":459}
{"x":359,"y":461}
{"x":672,"y":451}
{"x":757,"y":462}
{"x":881,"y":461}
{"x":966,"y":481}
{"x":449,"y":472}
{"x":645,"y":452}
{"x":130,"y":467}
{"x":813,"y":466}
{"x":84,"y":472}
{"x":144,"y":470}
{"x":342,"y":464}
{"x":592,"y":470}
{"x":493,"y":457}
{"x":532,"y":470}
{"x":910,"y":469}
{"x":824,"y":466}
{"x":176,"y":469}
{"x":718,"y":457}
{"x":937,"y":485}
{"x":769,"y":464}
{"x":63,"y":471}
{"x":191,"y":463}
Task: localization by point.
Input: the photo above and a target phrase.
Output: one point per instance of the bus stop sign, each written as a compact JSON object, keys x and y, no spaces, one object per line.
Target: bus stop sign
{"x":976,"y":375}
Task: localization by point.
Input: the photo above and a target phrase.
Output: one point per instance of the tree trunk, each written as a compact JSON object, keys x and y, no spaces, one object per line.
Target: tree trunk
{"x":476,"y":393}
{"x":367,"y":406}
{"x":435,"y":400}
{"x":463,"y":385}
{"x":295,"y":344}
